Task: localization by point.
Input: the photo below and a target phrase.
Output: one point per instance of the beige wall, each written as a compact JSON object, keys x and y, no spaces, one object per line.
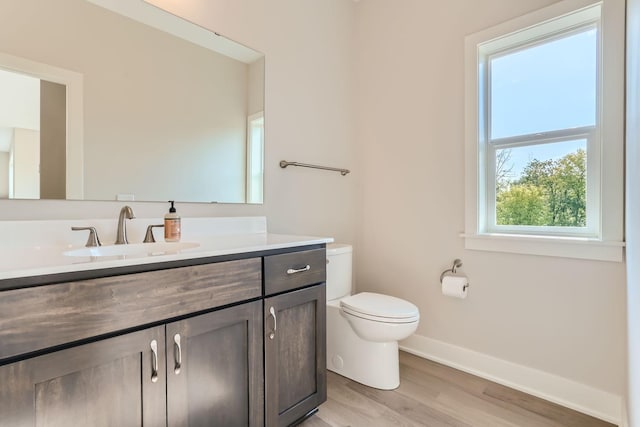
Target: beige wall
{"x":561,"y":316}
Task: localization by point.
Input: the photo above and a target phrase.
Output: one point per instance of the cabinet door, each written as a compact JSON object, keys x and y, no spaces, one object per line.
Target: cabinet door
{"x":113,"y":382}
{"x":295,"y":354}
{"x":214,"y":369}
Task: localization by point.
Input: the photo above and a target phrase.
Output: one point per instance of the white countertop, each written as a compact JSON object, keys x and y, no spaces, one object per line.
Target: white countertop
{"x":40,"y":252}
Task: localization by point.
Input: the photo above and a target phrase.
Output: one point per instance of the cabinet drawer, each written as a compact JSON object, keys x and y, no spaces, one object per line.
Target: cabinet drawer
{"x":294,"y":270}
{"x":38,"y":318}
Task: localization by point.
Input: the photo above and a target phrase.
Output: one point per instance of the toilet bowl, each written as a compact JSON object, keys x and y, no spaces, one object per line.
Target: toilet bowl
{"x":380,"y":318}
{"x":363,"y":330}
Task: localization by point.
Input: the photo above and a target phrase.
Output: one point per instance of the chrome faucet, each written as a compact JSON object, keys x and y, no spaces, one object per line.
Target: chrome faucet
{"x":121,"y":236}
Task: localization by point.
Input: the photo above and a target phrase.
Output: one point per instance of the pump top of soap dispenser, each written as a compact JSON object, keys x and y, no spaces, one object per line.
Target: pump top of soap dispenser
{"x":172,"y":209}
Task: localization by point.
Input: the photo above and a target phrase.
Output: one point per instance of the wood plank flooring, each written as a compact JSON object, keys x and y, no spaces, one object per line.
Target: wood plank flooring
{"x":431,"y":394}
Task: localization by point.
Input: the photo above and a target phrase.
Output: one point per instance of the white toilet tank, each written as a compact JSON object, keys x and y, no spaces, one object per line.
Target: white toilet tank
{"x":338,"y":270}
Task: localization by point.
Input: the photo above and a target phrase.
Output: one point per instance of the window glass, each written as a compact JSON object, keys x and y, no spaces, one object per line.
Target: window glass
{"x":255,"y":153}
{"x":542,"y":184}
{"x":544,"y":87}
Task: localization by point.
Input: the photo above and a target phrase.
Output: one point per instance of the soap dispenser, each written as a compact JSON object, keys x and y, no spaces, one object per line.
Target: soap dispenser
{"x":172,"y":225}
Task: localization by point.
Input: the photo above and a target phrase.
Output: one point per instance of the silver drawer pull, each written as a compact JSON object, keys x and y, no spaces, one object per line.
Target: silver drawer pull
{"x":177,"y":354}
{"x":154,"y":361}
{"x":299,"y":270}
{"x":272,"y":313}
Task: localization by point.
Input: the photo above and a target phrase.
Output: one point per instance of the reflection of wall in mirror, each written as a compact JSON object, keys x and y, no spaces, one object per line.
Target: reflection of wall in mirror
{"x":4,"y":174}
{"x":193,"y":125}
{"x":189,"y":143}
{"x":52,"y":103}
{"x":25,"y":158}
{"x":19,"y":135}
{"x":256,"y":87}
{"x":142,"y":135}
{"x":255,"y":134}
{"x":53,"y":131}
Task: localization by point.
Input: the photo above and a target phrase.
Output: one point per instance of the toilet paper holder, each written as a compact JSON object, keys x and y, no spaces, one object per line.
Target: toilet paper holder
{"x":457,"y":263}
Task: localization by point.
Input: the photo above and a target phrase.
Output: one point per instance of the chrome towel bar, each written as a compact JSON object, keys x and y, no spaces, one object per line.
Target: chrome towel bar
{"x":284,"y":164}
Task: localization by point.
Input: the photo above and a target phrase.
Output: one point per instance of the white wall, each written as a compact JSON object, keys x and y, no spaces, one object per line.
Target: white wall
{"x":560,"y":316}
{"x":633,"y":209}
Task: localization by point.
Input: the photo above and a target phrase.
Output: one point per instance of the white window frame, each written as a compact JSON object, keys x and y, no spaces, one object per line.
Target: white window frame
{"x":602,"y":238}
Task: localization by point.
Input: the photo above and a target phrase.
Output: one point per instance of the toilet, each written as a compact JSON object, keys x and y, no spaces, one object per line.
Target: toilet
{"x":363,"y":330}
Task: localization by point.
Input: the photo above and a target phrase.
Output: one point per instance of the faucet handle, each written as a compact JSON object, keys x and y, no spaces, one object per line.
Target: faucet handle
{"x":93,"y":239}
{"x":148,"y":237}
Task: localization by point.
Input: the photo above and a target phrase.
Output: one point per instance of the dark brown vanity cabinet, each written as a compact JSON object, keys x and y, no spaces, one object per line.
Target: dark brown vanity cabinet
{"x":295,"y":340}
{"x":239,"y":342}
{"x":118,"y":381}
{"x":211,"y":375}
{"x":214,"y":369}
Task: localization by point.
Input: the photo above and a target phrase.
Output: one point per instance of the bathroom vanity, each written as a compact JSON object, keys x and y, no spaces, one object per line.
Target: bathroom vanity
{"x":200,"y":338}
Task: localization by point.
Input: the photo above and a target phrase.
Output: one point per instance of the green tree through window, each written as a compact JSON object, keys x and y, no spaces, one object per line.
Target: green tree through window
{"x":547,"y":193}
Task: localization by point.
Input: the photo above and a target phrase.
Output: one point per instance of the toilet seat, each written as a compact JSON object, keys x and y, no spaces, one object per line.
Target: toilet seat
{"x":380,"y":308}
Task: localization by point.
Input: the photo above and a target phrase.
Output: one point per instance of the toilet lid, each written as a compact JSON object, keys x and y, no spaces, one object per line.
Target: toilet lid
{"x":382,"y":308}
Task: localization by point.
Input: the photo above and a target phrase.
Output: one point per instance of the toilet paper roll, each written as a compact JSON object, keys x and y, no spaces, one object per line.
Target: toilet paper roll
{"x":455,"y":286}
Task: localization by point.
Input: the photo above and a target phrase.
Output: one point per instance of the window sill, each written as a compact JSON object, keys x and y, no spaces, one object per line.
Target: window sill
{"x":566,"y":247}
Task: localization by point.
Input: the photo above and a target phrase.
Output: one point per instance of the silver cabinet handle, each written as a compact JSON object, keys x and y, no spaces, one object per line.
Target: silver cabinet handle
{"x":154,"y":361}
{"x":177,"y":353}
{"x":299,"y":270}
{"x":272,"y":313}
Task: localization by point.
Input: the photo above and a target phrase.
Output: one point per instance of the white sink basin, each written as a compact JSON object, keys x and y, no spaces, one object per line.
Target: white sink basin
{"x":138,"y":249}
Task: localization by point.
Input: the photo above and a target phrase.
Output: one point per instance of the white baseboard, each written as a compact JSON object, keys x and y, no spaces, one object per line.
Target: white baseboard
{"x":571,"y":394}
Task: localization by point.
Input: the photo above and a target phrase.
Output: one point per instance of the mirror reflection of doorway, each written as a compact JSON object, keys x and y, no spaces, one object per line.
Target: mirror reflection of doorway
{"x":32,"y":137}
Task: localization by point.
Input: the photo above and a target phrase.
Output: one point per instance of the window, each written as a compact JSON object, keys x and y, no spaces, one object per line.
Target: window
{"x":255,"y":155}
{"x":544,"y":132}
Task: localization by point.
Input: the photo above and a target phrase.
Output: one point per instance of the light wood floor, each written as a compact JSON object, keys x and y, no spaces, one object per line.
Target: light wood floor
{"x":431,"y":394}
